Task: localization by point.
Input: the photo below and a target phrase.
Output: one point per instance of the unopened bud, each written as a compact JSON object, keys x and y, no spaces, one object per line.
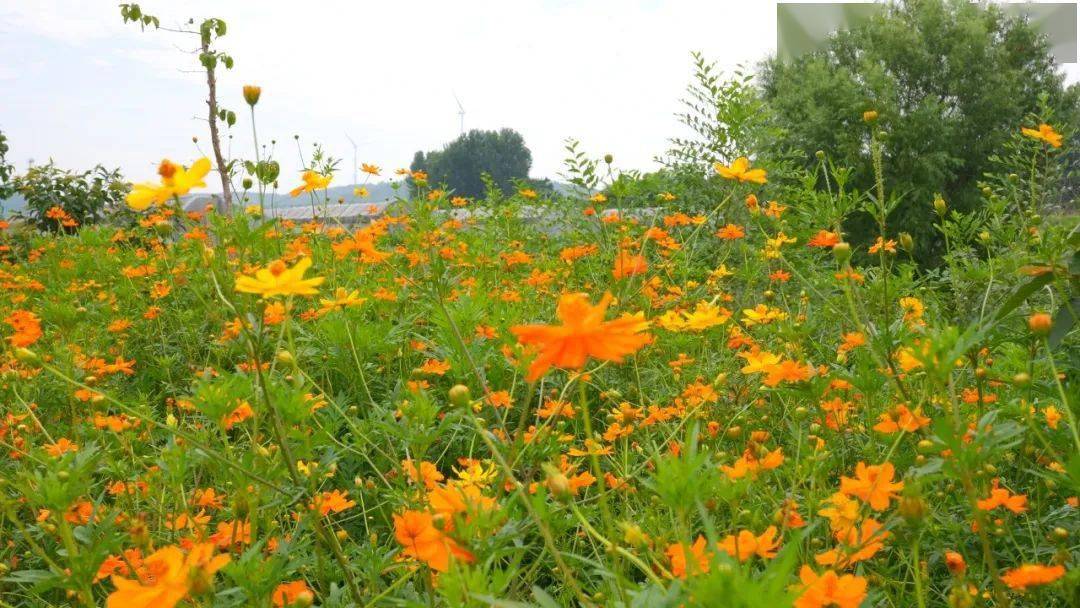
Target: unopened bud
{"x":907,"y":242}
{"x":26,"y":356}
{"x":1040,"y":323}
{"x":459,"y":395}
{"x":842,"y":252}
{"x":251,"y":94}
{"x":939,"y":206}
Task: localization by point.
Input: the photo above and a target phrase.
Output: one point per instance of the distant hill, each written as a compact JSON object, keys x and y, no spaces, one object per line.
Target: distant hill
{"x":377,"y":192}
{"x":13,"y":204}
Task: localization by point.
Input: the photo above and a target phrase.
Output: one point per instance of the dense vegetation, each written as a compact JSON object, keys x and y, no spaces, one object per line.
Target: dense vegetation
{"x":692,"y":388}
{"x":950,"y":80}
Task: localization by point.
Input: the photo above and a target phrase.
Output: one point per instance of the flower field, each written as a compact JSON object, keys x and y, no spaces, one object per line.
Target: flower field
{"x":716,"y":400}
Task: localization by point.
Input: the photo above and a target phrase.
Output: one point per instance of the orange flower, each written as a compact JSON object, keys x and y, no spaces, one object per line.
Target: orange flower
{"x":731,"y":232}
{"x":750,"y":464}
{"x":416,"y":532}
{"x":583,"y":334}
{"x":61,"y":447}
{"x":955,"y":562}
{"x":427,"y":473}
{"x":628,"y":265}
{"x":889,"y":246}
{"x":901,"y":419}
{"x":856,"y":545}
{"x":746,"y":545}
{"x":824,"y":238}
{"x":167,"y":577}
{"x":1002,"y":497}
{"x":313,"y":180}
{"x":786,"y":371}
{"x":27,"y":328}
{"x":830,"y":589}
{"x":685,"y":560}
{"x":740,"y":170}
{"x":1032,"y":575}
{"x":286,"y":594}
{"x":1045,"y":133}
{"x":872,"y":484}
{"x":336,"y":501}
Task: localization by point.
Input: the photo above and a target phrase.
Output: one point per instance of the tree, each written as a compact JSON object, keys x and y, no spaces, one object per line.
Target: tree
{"x":950,"y":81}
{"x":461,"y":163}
{"x":7,"y":171}
{"x":209,"y":31}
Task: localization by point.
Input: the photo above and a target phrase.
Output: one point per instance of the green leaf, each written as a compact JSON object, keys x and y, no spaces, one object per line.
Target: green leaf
{"x":1022,"y":293}
{"x":1064,"y":319}
{"x":543,"y":599}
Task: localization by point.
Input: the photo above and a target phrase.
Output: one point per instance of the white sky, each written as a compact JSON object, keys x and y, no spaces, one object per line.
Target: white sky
{"x":79,"y":86}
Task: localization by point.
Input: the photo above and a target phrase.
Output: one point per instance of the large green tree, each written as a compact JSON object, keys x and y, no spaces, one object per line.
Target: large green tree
{"x":461,"y":164}
{"x":950,"y":80}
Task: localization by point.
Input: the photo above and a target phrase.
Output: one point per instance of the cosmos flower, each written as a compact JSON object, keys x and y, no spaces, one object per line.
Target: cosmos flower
{"x":175,"y":181}
{"x":1045,"y":133}
{"x":313,"y":180}
{"x":1032,"y":575}
{"x":740,"y":170}
{"x":583,"y":334}
{"x":872,"y":484}
{"x":276,"y":279}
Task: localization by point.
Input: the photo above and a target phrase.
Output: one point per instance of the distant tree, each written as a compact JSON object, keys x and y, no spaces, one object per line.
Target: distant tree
{"x":950,"y":80}
{"x":461,"y":163}
{"x":7,"y":171}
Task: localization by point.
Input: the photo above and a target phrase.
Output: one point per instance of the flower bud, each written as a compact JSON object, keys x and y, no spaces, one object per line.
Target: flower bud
{"x":284,"y":357}
{"x":26,"y":356}
{"x":955,"y":563}
{"x":1040,"y":323}
{"x":608,"y":158}
{"x":820,"y":155}
{"x":842,"y":252}
{"x":939,"y":206}
{"x":251,"y":94}
{"x":913,"y":509}
{"x":869,"y":116}
{"x":633,"y":536}
{"x":459,"y":395}
{"x":907,"y":242}
{"x":557,"y":483}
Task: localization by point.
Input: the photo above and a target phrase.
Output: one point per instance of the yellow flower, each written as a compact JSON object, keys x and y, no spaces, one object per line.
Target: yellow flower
{"x":175,"y":181}
{"x":758,"y":362}
{"x":276,"y":279}
{"x":342,"y":299}
{"x":740,"y":170}
{"x":1044,"y":133}
{"x":313,"y":180}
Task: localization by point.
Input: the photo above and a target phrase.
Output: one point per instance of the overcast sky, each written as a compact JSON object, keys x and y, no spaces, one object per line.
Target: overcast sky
{"x":79,"y":86}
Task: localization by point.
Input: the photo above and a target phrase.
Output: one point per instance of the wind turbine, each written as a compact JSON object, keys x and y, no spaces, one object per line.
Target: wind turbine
{"x":354,"y":158}
{"x":461,"y":113}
